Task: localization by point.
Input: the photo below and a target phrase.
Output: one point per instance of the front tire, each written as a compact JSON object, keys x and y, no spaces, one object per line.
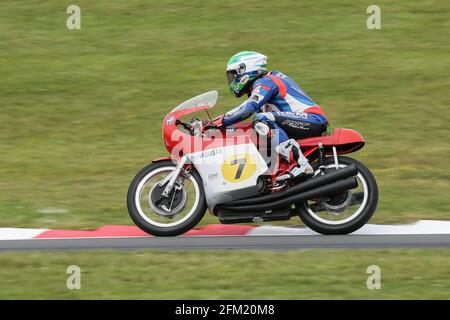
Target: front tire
{"x":151,"y":219}
{"x":369,"y":201}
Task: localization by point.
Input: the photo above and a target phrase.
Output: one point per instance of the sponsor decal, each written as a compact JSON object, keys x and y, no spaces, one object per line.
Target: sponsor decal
{"x":296,"y":124}
{"x":297,"y":115}
{"x":170,"y":119}
{"x":213,"y":176}
{"x":208,"y":153}
{"x":244,"y":79}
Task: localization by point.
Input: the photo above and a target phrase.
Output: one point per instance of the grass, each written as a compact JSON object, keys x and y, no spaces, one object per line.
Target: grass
{"x":81,"y":110}
{"x":306,"y":274}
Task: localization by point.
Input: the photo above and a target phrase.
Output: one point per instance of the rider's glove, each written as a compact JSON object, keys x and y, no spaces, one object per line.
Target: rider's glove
{"x":214,"y":123}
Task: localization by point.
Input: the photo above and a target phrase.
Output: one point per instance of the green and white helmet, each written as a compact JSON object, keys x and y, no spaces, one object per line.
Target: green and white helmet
{"x":243,"y":69}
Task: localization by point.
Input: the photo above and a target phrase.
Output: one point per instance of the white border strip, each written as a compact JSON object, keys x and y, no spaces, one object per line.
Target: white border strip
{"x":419,"y":227}
{"x":19,"y":233}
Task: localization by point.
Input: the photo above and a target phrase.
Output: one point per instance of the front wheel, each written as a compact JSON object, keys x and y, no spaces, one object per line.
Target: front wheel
{"x":344,"y":212}
{"x":166,"y":216}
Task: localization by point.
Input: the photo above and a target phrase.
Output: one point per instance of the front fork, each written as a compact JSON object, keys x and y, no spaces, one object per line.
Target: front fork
{"x":172,"y":177}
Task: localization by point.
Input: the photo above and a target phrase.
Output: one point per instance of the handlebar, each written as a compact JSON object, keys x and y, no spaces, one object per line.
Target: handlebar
{"x":195,"y":126}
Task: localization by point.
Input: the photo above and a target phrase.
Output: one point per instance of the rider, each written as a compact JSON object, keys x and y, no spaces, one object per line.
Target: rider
{"x":279,"y":103}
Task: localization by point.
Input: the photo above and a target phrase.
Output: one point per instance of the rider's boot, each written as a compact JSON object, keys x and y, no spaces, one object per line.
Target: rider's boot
{"x":290,"y":151}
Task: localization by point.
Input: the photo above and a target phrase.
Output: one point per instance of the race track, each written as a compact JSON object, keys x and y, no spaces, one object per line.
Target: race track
{"x":273,"y":242}
{"x":421,"y":234}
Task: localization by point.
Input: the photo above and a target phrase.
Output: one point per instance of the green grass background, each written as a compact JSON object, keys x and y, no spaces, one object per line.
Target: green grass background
{"x":307,"y":274}
{"x":81,"y":110}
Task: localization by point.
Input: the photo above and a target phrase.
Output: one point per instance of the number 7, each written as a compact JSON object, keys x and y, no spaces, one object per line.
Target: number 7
{"x":241,"y":163}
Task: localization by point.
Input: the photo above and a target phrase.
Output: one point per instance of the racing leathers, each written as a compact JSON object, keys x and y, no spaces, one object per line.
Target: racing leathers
{"x":283,"y":109}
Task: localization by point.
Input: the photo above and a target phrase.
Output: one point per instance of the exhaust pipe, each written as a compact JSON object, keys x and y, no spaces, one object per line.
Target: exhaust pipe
{"x":338,"y":186}
{"x":326,"y":179}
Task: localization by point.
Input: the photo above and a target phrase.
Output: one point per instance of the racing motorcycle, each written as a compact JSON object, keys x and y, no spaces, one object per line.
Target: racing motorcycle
{"x":232,"y":173}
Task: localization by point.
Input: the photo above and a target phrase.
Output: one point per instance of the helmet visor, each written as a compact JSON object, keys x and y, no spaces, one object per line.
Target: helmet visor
{"x":232,"y":75}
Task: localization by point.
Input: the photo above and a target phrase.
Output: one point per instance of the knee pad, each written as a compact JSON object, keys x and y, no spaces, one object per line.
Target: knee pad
{"x":262,"y":125}
{"x":261,"y":128}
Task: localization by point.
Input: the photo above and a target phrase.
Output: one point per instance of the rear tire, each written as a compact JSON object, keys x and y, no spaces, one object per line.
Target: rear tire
{"x":357,"y":222}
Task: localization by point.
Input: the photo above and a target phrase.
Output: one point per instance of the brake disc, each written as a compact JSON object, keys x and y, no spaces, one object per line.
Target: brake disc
{"x":337,"y":204}
{"x":167,"y":206}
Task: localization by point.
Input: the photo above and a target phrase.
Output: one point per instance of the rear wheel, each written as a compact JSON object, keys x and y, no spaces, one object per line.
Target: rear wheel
{"x":344,"y":212}
{"x":166,"y":216}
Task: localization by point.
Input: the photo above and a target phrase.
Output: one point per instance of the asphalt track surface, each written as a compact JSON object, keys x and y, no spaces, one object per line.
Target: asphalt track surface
{"x":265,"y":242}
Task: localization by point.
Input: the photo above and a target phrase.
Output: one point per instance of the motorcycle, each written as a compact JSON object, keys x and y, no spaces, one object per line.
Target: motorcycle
{"x":226,"y":173}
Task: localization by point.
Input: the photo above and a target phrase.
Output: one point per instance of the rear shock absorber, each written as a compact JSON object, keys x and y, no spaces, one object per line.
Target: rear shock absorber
{"x":322,"y":163}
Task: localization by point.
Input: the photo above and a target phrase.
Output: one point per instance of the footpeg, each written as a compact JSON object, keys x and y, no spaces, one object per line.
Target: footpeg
{"x":296,"y":172}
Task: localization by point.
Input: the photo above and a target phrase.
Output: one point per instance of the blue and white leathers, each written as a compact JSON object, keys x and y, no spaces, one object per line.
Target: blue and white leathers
{"x":281,"y":104}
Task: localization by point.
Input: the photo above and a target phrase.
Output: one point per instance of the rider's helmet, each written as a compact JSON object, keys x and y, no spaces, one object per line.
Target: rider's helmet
{"x":243,"y":69}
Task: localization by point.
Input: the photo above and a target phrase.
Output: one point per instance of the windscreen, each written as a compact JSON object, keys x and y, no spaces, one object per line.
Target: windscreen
{"x":206,"y":99}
